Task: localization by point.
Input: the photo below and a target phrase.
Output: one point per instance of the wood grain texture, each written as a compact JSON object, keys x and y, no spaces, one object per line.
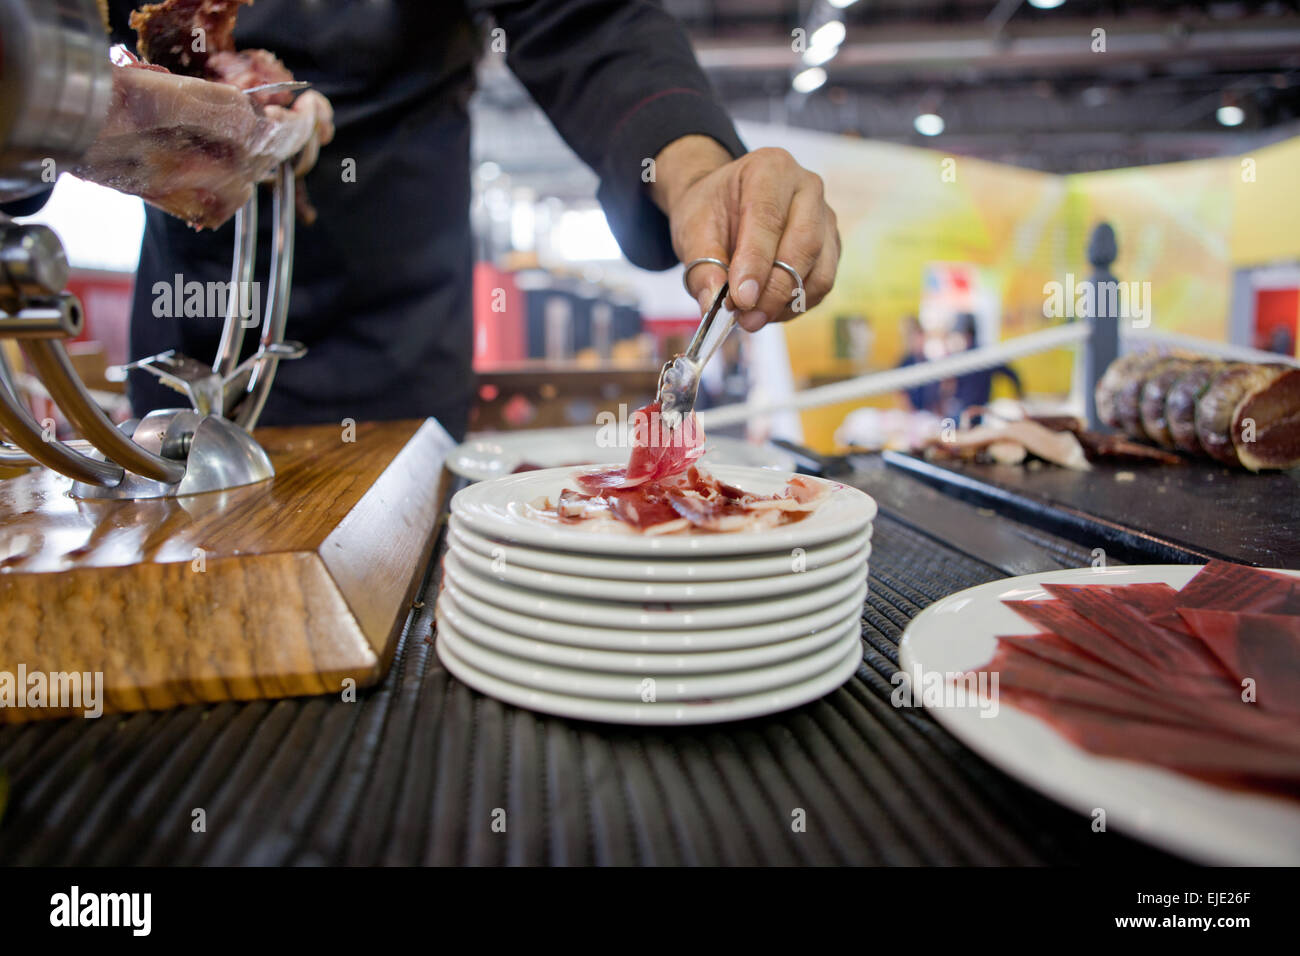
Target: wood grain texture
{"x":277,"y":589}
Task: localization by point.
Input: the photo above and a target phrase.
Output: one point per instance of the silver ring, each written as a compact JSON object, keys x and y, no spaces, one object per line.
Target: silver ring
{"x":794,"y":273}
{"x":798,"y":279}
{"x":695,"y":262}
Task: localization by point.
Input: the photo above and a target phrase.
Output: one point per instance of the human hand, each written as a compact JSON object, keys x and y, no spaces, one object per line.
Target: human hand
{"x":316,"y":107}
{"x":748,"y":212}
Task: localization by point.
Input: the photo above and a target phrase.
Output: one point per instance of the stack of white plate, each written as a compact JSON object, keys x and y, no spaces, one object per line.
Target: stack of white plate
{"x":616,"y":626}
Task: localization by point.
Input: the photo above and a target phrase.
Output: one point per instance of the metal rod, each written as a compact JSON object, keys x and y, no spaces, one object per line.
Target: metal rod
{"x":16,"y":457}
{"x":6,"y":373}
{"x":59,"y":318}
{"x":50,"y":362}
{"x":277,"y":307}
{"x":241,"y":279}
{"x":26,"y":433}
{"x":877,"y":383}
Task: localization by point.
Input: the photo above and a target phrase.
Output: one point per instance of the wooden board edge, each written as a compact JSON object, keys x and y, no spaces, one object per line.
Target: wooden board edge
{"x":412,"y":488}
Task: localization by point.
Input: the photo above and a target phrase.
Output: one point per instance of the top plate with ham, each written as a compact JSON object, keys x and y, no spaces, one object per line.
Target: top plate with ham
{"x":663,"y":501}
{"x":727,"y":510}
{"x":662,"y":491}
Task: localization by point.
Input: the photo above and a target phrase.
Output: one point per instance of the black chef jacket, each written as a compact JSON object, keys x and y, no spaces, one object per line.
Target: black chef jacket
{"x":381,"y":283}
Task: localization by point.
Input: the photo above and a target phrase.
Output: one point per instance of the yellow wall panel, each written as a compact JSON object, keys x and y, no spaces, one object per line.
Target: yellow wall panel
{"x":1265,"y":187}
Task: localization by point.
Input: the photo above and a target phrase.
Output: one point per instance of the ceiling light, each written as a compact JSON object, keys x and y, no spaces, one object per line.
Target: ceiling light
{"x":928,"y":124}
{"x":841,"y":4}
{"x":809,"y":80}
{"x":817,"y":55}
{"x":1230,"y":115}
{"x":1046,"y":4}
{"x":829,"y":34}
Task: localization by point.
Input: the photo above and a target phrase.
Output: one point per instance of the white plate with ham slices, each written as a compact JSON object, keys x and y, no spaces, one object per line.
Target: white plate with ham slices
{"x":1093,"y":730}
{"x":513,"y":509}
{"x":662,"y":591}
{"x":482,"y":457}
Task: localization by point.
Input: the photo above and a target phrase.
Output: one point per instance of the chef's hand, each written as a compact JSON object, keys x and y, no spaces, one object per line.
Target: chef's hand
{"x":747,"y":212}
{"x":313,"y":106}
{"x":311,"y":103}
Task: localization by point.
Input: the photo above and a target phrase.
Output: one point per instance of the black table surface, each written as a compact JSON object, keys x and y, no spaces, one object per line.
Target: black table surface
{"x":419,"y":768}
{"x":1140,"y":513}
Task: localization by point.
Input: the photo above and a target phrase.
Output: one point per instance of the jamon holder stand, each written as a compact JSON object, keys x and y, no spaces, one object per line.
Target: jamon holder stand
{"x":178,"y":557}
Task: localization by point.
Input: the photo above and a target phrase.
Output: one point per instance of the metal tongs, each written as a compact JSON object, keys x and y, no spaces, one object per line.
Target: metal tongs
{"x":679,"y":382}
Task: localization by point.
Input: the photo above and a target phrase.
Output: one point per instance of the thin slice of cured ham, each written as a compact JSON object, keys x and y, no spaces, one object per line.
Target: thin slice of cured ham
{"x":693,"y":500}
{"x":1062,"y":620}
{"x":1224,"y":586}
{"x":662,"y":491}
{"x":1263,"y":648}
{"x":658,"y":452}
{"x":1169,"y":651}
{"x":1197,"y":751}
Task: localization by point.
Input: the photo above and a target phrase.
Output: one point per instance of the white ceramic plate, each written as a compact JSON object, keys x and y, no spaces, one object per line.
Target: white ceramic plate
{"x":504,"y":571}
{"x":723,"y":568}
{"x":660,"y":712}
{"x":1186,"y":816}
{"x":690,"y":641}
{"x":499,"y":509}
{"x":667,"y":617}
{"x":636,"y":688}
{"x":642,"y":663}
{"x":493,"y":455}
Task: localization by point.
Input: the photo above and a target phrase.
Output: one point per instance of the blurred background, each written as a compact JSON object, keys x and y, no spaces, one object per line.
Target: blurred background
{"x":969,"y":147}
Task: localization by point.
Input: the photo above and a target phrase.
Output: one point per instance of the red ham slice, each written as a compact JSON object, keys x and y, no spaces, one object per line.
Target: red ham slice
{"x":1196,"y":751}
{"x":1073,"y":628}
{"x":661,"y":490}
{"x":1237,"y":587}
{"x":658,"y":452}
{"x":1169,"y":651}
{"x":1262,"y":647}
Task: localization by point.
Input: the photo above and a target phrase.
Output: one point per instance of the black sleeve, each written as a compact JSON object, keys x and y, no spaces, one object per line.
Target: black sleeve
{"x":619,"y":80}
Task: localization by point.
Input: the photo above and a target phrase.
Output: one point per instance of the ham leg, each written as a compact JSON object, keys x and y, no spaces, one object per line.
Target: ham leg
{"x":191,"y":147}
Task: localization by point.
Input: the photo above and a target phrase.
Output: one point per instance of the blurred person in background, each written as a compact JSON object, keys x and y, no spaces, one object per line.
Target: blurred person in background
{"x":973,"y":389}
{"x":922,"y":398}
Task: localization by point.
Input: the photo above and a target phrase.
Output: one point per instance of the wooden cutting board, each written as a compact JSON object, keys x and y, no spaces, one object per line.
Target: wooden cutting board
{"x":294,"y":586}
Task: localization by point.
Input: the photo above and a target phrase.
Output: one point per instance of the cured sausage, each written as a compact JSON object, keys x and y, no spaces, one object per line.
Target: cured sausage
{"x":1237,"y":413}
{"x":1154,"y":399}
{"x":1217,"y":410}
{"x":1180,"y":405}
